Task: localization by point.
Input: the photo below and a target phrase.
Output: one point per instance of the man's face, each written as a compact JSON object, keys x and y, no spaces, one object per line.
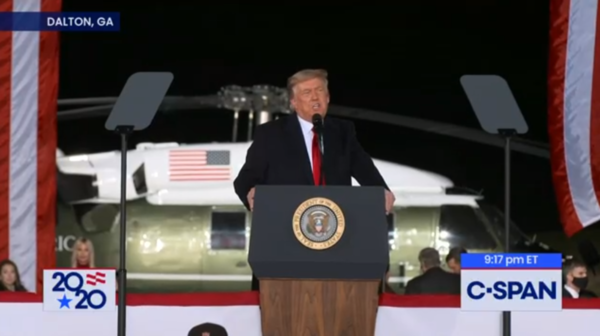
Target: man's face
{"x":454,"y":266}
{"x":577,"y":272}
{"x":310,"y":97}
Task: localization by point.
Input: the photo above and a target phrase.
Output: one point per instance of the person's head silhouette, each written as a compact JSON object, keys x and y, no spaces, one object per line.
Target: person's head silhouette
{"x":208,"y":329}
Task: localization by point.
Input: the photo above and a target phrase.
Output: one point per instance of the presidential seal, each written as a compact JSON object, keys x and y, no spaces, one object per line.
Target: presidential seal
{"x":319,"y":223}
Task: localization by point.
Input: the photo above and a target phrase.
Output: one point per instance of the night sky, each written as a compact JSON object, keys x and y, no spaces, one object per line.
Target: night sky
{"x":398,"y":59}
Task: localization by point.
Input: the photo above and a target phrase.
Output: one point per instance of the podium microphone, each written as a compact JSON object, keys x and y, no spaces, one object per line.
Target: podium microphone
{"x":317,"y":121}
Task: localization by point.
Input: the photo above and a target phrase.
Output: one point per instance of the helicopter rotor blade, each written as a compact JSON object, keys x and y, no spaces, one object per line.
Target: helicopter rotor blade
{"x":181,"y":103}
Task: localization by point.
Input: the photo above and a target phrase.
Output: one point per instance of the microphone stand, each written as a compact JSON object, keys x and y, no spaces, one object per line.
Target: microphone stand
{"x":507,"y":134}
{"x":124,"y":132}
{"x":322,"y":150}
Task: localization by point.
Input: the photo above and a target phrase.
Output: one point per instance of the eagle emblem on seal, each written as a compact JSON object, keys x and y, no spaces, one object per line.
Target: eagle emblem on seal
{"x":318,"y":223}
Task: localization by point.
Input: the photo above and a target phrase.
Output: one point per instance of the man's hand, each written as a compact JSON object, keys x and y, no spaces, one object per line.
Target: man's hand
{"x":389,"y":201}
{"x":251,"y":199}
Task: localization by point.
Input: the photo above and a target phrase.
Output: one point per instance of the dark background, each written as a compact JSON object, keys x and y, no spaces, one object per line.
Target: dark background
{"x":393,"y":58}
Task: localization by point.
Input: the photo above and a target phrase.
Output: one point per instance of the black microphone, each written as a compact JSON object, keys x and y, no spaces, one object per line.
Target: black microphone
{"x":317,"y":121}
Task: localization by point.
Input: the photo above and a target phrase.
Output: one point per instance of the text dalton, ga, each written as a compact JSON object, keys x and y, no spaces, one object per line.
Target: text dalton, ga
{"x":78,"y":21}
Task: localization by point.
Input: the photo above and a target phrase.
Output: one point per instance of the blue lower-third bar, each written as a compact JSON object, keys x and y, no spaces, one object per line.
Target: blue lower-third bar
{"x":511,"y":260}
{"x":60,"y":21}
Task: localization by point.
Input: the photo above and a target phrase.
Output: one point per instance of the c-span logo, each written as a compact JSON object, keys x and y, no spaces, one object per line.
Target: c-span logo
{"x":511,"y":282}
{"x":69,"y":290}
{"x":319,"y":223}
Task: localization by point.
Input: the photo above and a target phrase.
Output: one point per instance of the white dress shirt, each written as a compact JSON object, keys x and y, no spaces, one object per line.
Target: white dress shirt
{"x":308,"y":135}
{"x":573,"y":292}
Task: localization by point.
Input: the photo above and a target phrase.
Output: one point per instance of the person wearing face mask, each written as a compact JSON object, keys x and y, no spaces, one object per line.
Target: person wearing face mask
{"x":287,"y":151}
{"x":575,"y":281}
{"x":433,"y":279}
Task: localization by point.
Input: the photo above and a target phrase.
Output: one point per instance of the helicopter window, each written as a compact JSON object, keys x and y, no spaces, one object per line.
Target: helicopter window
{"x":496,"y":219}
{"x":461,"y":226}
{"x":391,"y":230}
{"x":228,"y":231}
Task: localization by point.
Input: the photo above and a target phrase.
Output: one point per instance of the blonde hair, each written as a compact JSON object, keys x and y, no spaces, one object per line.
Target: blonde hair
{"x":90,"y":246}
{"x":304,"y":75}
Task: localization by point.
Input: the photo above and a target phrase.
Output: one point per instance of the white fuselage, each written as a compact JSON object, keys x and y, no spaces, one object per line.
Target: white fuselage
{"x":411,"y":186}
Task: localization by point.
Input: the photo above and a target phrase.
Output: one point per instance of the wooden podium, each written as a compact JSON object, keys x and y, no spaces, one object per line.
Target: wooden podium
{"x":318,"y":307}
{"x":319,"y":292}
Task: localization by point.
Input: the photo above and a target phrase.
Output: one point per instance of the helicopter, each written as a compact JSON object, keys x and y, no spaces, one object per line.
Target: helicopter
{"x":190,"y":225}
{"x":188,"y":231}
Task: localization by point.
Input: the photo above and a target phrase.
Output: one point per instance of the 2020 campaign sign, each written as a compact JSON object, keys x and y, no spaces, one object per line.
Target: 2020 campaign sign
{"x":511,"y":282}
{"x":67,"y":290}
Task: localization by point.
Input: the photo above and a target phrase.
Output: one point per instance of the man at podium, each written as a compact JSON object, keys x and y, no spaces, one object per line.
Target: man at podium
{"x":307,"y":148}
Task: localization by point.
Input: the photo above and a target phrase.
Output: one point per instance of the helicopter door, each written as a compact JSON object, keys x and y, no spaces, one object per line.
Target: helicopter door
{"x":226,"y":260}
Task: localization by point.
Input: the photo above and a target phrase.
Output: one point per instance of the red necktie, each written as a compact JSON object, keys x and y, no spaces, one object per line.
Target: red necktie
{"x":316,"y":159}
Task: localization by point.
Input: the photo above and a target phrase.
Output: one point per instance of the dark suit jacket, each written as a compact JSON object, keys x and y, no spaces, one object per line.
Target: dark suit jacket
{"x":278,"y":156}
{"x":434,"y":281}
{"x":583,"y":294}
